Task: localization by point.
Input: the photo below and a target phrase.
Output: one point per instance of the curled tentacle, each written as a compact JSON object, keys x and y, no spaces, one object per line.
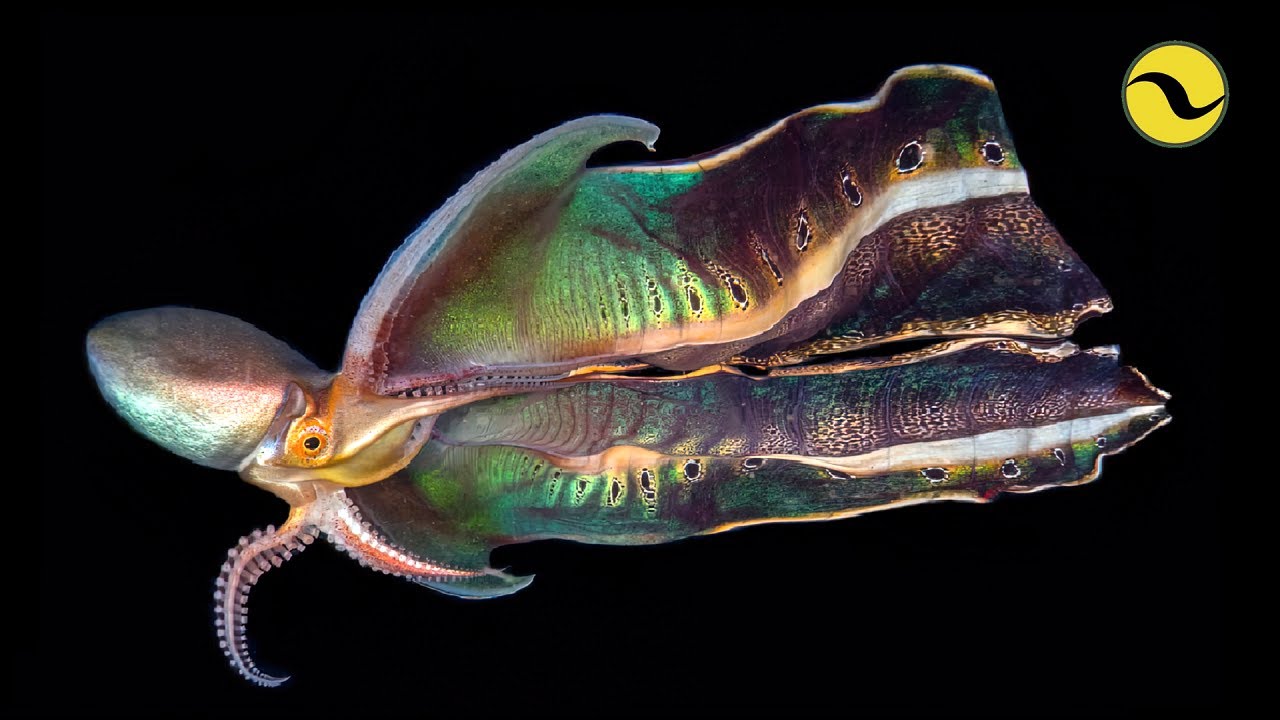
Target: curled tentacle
{"x":334,"y":515}
{"x":249,"y":560}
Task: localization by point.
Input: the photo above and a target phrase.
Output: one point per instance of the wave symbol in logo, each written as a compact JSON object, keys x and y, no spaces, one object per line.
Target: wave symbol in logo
{"x":1175,"y":94}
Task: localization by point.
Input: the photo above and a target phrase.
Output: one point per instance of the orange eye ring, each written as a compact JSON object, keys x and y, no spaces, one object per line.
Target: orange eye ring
{"x":312,"y":442}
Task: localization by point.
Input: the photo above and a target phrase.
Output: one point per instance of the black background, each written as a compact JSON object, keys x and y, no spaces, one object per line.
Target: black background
{"x":266,"y":167}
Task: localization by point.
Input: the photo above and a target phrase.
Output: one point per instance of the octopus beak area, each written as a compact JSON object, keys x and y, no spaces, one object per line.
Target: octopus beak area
{"x":201,"y":384}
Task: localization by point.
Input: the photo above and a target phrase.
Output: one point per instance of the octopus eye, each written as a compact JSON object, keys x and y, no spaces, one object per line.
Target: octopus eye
{"x":992,"y":152}
{"x":910,"y":157}
{"x":313,"y":442}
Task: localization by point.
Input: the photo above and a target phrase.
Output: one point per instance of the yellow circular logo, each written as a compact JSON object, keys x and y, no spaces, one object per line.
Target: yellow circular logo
{"x":1175,"y":94}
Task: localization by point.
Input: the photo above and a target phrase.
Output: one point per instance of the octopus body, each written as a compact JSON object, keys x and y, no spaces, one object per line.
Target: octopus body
{"x":642,"y":353}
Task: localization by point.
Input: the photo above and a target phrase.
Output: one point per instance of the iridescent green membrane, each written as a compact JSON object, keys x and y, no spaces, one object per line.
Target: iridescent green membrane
{"x":647,"y":461}
{"x":761,"y":245}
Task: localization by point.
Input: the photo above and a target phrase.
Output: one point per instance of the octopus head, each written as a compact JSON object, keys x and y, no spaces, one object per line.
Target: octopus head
{"x":224,"y":394}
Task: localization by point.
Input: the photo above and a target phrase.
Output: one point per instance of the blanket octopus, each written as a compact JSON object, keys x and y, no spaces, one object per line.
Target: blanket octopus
{"x":641,"y":353}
